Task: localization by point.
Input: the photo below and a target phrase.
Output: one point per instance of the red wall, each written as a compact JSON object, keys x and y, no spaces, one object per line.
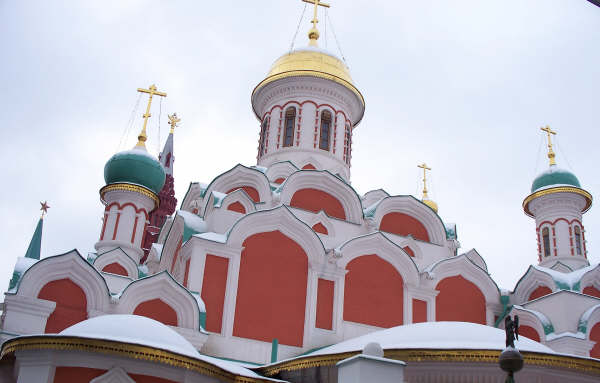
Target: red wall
{"x":403,"y":224}
{"x":237,"y":207}
{"x":186,"y":275}
{"x":459,"y":300}
{"x":271,"y":296}
{"x":595,"y":337}
{"x":529,"y":332}
{"x":84,"y":375}
{"x":213,"y":290}
{"x":309,"y":167}
{"x":408,"y":251}
{"x":158,"y":310}
{"x":325,"y":290}
{"x":279,"y":180}
{"x":252,"y":192}
{"x":419,"y":311}
{"x":591,"y":290}
{"x":320,"y":228}
{"x":317,"y":200}
{"x":115,"y":268}
{"x":373,"y":292}
{"x":71,"y":304}
{"x":540,"y":291}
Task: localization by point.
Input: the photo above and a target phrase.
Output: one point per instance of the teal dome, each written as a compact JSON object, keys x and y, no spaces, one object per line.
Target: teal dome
{"x":135,"y":166}
{"x":554,"y":176}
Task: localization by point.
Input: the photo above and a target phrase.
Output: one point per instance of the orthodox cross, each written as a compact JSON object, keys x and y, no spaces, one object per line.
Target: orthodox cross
{"x":173,"y":121}
{"x":425,"y":169}
{"x":152,"y":90}
{"x":551,"y":154}
{"x":44,"y":208}
{"x":313,"y":34}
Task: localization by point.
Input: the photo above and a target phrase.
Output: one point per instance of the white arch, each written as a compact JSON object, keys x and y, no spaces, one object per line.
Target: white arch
{"x":71,"y":266}
{"x":193,"y":195}
{"x":162,"y":286}
{"x":411,"y":206}
{"x":531,"y":280}
{"x":589,"y":319}
{"x":591,"y":278}
{"x":326,"y":182}
{"x":117,"y":255}
{"x":373,"y":196}
{"x":323,"y":219}
{"x":238,"y":195}
{"x":529,"y":318}
{"x":283,"y":220}
{"x":174,"y":237}
{"x":476,"y":258}
{"x":379,"y":244}
{"x":240,"y":176}
{"x":281,"y":170}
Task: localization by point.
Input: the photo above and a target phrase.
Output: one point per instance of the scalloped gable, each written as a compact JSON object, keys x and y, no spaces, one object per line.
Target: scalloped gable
{"x":119,"y":256}
{"x":239,"y":176}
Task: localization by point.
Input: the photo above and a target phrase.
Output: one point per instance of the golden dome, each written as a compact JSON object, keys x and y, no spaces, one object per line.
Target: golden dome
{"x":431,"y":204}
{"x":311,"y":61}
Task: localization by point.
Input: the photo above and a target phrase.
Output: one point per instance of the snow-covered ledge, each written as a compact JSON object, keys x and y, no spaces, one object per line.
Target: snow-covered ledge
{"x":370,"y":366}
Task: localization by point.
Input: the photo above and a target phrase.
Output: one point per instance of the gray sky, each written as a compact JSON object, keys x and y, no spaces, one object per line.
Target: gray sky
{"x":462,"y":85}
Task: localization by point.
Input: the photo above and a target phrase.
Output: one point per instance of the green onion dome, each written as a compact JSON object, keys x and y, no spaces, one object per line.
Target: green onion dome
{"x":554,"y":176}
{"x":135,"y":166}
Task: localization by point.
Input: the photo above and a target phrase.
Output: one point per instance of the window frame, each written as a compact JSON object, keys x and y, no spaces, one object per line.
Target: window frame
{"x":326,"y":116}
{"x":546,"y":250}
{"x":289,"y":116}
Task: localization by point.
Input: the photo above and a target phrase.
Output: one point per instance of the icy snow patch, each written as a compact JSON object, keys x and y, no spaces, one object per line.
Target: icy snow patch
{"x":23,"y":264}
{"x":211,"y":236}
{"x":192,"y":221}
{"x":569,"y":279}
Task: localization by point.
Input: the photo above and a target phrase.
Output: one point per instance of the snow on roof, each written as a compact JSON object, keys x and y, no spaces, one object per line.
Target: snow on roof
{"x":261,"y":169}
{"x":23,"y":264}
{"x":159,"y":248}
{"x":435,"y":335}
{"x":566,"y":280}
{"x":198,"y":299}
{"x":218,"y":198}
{"x":147,"y":332}
{"x":139,"y":152}
{"x":193,"y":221}
{"x":211,"y":236}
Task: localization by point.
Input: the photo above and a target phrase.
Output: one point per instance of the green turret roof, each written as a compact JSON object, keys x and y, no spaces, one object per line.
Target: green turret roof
{"x":135,"y":166}
{"x":34,"y":249}
{"x":554,"y":176}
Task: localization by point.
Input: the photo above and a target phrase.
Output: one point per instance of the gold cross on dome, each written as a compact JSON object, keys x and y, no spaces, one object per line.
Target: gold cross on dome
{"x":152,"y":90}
{"x":551,"y":154}
{"x":425,"y":169}
{"x":313,"y":34}
{"x":173,"y":121}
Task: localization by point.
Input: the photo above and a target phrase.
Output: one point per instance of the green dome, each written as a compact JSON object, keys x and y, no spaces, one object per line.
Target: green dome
{"x":554,"y":176}
{"x":135,"y":166}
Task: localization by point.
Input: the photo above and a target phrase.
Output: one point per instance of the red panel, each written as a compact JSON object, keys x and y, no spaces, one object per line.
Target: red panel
{"x":529,"y":332}
{"x":309,"y":167}
{"x":403,"y":224}
{"x":595,"y":337}
{"x":317,"y":200}
{"x":252,"y":192}
{"x":419,"y":311}
{"x":187,"y":272}
{"x":271,"y":296}
{"x":319,"y":228}
{"x":115,"y":268}
{"x":459,"y":300}
{"x":148,"y":379}
{"x":237,"y":207}
{"x":213,"y":290}
{"x":158,"y":310}
{"x":76,"y":374}
{"x":71,"y":304}
{"x":373,"y":292}
{"x":279,"y":180}
{"x":174,"y":261}
{"x":540,"y":291}
{"x":591,"y":290}
{"x":408,"y":251}
{"x":325,"y":304}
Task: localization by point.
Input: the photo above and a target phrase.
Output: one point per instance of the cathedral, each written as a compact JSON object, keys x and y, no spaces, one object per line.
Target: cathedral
{"x":281,"y":271}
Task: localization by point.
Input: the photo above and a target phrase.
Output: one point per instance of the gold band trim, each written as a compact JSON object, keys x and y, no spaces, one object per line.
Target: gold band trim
{"x":589,"y":366}
{"x":558,"y":189}
{"x":310,"y":73}
{"x":123,"y":350}
{"x":132,"y":188}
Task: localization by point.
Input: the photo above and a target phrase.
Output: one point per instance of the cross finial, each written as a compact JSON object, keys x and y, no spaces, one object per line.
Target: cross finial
{"x":173,"y":121}
{"x":152,"y":90}
{"x":44,"y":208}
{"x":313,"y":34}
{"x":425,"y":169}
{"x":551,"y":154}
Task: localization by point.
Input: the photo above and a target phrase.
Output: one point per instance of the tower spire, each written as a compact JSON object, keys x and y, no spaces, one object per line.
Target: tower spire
{"x":152,"y":90}
{"x":313,"y":33}
{"x":551,"y":155}
{"x":35,"y":245}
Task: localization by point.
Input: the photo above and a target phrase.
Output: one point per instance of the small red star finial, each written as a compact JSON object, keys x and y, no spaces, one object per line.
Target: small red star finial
{"x":44,"y":208}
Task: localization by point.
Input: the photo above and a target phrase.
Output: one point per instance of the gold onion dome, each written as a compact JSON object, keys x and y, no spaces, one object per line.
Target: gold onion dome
{"x":431,"y":204}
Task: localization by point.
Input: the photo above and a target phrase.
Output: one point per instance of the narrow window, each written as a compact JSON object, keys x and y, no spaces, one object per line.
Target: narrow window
{"x":325,"y":130}
{"x":290,"y":119}
{"x":578,"y":240}
{"x":347,"y":144}
{"x":546,"y":239}
{"x":263,"y":137}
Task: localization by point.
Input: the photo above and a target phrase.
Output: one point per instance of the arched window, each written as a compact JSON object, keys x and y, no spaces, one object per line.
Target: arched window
{"x":347,"y":144}
{"x":263,"y":137}
{"x":290,"y":119}
{"x":578,"y":240}
{"x":546,"y":241}
{"x":325,"y":130}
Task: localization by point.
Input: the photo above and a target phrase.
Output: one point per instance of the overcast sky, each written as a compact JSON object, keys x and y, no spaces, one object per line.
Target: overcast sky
{"x":461,"y":85}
